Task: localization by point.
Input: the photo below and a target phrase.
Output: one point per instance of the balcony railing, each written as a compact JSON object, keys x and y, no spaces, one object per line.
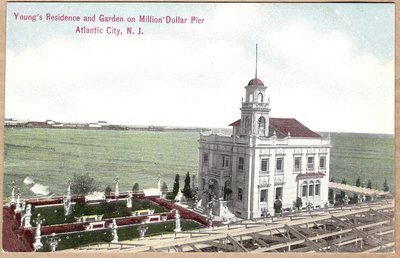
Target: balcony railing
{"x":220,"y":173}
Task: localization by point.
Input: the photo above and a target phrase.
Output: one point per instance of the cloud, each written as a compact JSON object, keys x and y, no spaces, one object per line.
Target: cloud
{"x":325,"y":75}
{"x":321,"y":77}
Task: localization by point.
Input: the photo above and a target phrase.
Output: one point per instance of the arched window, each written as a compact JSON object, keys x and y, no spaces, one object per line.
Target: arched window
{"x":261,"y":126}
{"x":251,"y":97}
{"x":317,"y":188}
{"x":304,"y":189}
{"x":260,"y":97}
{"x":311,"y":189}
{"x":247,"y":124}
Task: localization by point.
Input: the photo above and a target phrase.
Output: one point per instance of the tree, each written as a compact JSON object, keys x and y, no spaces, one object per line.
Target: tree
{"x":369,"y":184}
{"x":358,"y":181}
{"x":175,"y":189}
{"x":355,"y":196}
{"x":83,"y":184}
{"x":108,"y":190}
{"x":385,"y":186}
{"x":298,"y":203}
{"x":164,"y":188}
{"x":187,"y":192}
{"x":332,"y":179}
{"x":135,"y":187}
{"x":278,"y":206}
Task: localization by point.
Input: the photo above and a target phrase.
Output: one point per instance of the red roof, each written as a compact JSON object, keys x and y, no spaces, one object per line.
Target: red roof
{"x":255,"y":82}
{"x":284,"y":126}
{"x":236,"y":123}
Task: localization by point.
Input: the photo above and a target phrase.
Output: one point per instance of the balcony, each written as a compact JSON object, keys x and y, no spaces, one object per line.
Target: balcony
{"x":254,"y":105}
{"x":279,"y":179}
{"x":220,"y":173}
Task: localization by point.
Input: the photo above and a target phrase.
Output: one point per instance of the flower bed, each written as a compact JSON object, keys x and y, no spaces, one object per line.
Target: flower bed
{"x":56,"y":200}
{"x":77,"y":239}
{"x":185,"y":213}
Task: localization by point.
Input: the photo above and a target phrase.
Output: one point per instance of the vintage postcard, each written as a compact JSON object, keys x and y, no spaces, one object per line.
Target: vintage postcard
{"x":199,"y":127}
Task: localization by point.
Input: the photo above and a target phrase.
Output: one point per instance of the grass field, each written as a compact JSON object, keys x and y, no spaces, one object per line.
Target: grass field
{"x":51,"y":156}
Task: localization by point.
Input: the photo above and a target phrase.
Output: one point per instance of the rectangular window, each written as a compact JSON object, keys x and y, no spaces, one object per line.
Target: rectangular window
{"x":311,"y":190}
{"x":225,"y":161}
{"x":317,"y":189}
{"x":278,"y":193}
{"x":304,"y":192}
{"x":322,"y":163}
{"x":205,"y":158}
{"x":264,"y":165}
{"x":241,"y":163}
{"x":310,"y":163}
{"x":297,"y":164}
{"x":263,"y":195}
{"x":279,"y":164}
{"x":240,"y":194}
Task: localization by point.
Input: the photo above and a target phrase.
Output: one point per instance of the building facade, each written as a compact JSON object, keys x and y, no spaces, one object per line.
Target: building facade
{"x":265,"y":159}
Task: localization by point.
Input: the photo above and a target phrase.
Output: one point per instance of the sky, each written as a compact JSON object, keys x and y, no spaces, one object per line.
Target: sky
{"x":330,"y":66}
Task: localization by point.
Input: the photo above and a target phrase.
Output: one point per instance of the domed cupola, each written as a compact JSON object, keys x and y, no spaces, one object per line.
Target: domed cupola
{"x":255,"y":82}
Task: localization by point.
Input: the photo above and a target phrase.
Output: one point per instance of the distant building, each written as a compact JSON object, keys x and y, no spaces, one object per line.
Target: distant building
{"x":264,"y":160}
{"x":102,"y":123}
{"x":94,"y":125}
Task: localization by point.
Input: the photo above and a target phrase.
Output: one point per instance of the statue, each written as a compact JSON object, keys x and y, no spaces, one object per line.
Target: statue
{"x":26,"y":219}
{"x":228,"y":216}
{"x":18,"y":203}
{"x":116,"y":187}
{"x":177,"y":221}
{"x":12,"y":193}
{"x":346,"y":200}
{"x":159,"y":183}
{"x":67,"y":205}
{"x":265,"y":213}
{"x":69,"y":189}
{"x":38,"y":244}
{"x":142,"y":230}
{"x":129,"y":201}
{"x":53,"y":242}
{"x":210,"y":221}
{"x":114,"y":227}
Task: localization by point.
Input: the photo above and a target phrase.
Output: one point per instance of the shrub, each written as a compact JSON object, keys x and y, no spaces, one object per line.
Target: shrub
{"x":298,"y":203}
{"x":278,"y":206}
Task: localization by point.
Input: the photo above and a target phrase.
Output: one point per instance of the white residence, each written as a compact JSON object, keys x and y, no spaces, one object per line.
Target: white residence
{"x":265,"y":159}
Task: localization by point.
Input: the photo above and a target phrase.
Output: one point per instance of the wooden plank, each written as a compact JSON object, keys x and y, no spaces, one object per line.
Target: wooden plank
{"x":259,"y":240}
{"x":195,"y":248}
{"x":313,"y":245}
{"x":238,"y":245}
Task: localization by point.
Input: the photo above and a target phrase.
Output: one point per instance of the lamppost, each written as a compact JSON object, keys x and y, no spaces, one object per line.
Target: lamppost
{"x":13,"y":186}
{"x":38,"y":244}
{"x":18,"y":203}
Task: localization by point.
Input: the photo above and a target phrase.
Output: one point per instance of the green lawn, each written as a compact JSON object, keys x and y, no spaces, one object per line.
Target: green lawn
{"x":55,"y":214}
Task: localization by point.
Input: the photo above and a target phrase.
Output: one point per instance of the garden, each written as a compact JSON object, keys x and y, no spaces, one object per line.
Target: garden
{"x":74,"y":240}
{"x":54,"y":214}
